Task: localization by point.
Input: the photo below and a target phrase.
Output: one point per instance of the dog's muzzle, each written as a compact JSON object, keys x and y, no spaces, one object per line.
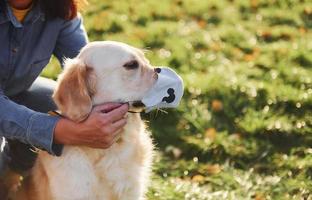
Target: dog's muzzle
{"x":165,"y":93}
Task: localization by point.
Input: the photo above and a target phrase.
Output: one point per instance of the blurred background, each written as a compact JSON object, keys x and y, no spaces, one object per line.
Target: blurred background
{"x":244,"y":127}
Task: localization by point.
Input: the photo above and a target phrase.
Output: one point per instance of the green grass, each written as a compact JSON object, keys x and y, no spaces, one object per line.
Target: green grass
{"x":244,"y":127}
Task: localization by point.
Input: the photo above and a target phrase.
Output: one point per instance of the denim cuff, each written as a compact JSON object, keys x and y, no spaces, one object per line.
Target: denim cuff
{"x":40,"y":133}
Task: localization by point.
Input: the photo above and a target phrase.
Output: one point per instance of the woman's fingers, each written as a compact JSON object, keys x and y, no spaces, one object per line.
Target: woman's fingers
{"x":118,"y":125}
{"x":116,"y":133}
{"x":107,"y":107}
{"x":116,"y":114}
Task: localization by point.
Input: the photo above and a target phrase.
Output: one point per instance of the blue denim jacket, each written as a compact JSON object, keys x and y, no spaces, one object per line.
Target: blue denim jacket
{"x":25,"y":49}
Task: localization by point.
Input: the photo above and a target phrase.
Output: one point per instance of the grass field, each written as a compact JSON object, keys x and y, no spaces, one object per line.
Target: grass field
{"x":244,"y":127}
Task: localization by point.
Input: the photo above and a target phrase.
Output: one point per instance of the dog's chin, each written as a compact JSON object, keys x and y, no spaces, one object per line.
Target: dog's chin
{"x":136,"y":106}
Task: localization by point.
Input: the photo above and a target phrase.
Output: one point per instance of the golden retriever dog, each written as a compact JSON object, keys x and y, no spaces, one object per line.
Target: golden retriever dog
{"x":102,"y":72}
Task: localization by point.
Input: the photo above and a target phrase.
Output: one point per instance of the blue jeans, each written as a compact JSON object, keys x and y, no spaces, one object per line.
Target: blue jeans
{"x":18,"y":156}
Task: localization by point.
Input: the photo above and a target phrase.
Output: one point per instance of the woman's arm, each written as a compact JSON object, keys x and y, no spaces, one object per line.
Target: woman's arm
{"x":72,"y":37}
{"x":28,"y":126}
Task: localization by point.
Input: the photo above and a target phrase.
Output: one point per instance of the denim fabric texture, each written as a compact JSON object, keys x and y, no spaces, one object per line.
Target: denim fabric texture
{"x":25,"y":49}
{"x":15,"y":155}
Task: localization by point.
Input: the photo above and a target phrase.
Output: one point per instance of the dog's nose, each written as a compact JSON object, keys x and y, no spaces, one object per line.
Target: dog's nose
{"x":157,"y":70}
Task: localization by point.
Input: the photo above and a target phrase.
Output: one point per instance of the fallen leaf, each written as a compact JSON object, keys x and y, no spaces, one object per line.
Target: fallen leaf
{"x":302,"y":30}
{"x":254,"y":4}
{"x":215,"y":46}
{"x":198,"y":178}
{"x":266,"y":35}
{"x":307,"y":11}
{"x":217,"y":105}
{"x":201,"y":23}
{"x":249,"y":57}
{"x":213,"y":169}
{"x":259,"y":196}
{"x":210,"y":133}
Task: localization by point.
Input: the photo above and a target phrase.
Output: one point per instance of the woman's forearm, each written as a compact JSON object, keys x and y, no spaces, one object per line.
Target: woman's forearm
{"x":65,"y":131}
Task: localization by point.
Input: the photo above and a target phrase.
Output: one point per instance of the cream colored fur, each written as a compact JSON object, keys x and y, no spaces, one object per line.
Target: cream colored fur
{"x":120,"y":172}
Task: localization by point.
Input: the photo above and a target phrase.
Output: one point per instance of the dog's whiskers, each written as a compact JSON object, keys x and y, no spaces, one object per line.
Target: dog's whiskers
{"x":161,"y":110}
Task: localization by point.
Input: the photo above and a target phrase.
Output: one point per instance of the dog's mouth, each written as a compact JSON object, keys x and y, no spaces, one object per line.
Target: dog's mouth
{"x":136,"y":106}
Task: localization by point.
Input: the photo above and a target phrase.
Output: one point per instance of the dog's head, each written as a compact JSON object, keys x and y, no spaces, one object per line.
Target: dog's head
{"x":102,"y":72}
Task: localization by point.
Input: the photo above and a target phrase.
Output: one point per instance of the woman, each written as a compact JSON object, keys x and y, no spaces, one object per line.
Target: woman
{"x":30,"y":32}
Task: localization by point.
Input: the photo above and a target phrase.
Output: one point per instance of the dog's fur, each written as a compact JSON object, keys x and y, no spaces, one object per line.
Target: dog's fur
{"x":120,"y":172}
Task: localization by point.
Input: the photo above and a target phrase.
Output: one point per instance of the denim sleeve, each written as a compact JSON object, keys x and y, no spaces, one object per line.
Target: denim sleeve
{"x":71,"y":39}
{"x":28,"y":126}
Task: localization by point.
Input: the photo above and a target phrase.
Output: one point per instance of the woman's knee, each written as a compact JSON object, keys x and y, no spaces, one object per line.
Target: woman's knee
{"x":39,"y":96}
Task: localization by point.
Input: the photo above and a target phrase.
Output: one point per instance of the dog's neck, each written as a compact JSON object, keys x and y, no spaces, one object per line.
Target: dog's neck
{"x":127,"y":138}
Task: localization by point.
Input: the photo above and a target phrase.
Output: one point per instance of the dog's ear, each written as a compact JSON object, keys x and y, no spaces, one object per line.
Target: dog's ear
{"x":76,"y":85}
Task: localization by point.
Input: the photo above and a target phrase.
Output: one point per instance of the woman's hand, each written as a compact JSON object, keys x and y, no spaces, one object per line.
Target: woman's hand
{"x":100,"y":130}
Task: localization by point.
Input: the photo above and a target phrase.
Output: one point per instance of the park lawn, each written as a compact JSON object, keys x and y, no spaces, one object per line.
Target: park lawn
{"x":244,"y":127}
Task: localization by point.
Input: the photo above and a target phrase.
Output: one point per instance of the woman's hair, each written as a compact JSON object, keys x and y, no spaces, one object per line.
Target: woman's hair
{"x":65,"y":9}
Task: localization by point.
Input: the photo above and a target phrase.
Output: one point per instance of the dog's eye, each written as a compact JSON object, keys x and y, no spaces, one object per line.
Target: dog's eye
{"x":131,"y":65}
